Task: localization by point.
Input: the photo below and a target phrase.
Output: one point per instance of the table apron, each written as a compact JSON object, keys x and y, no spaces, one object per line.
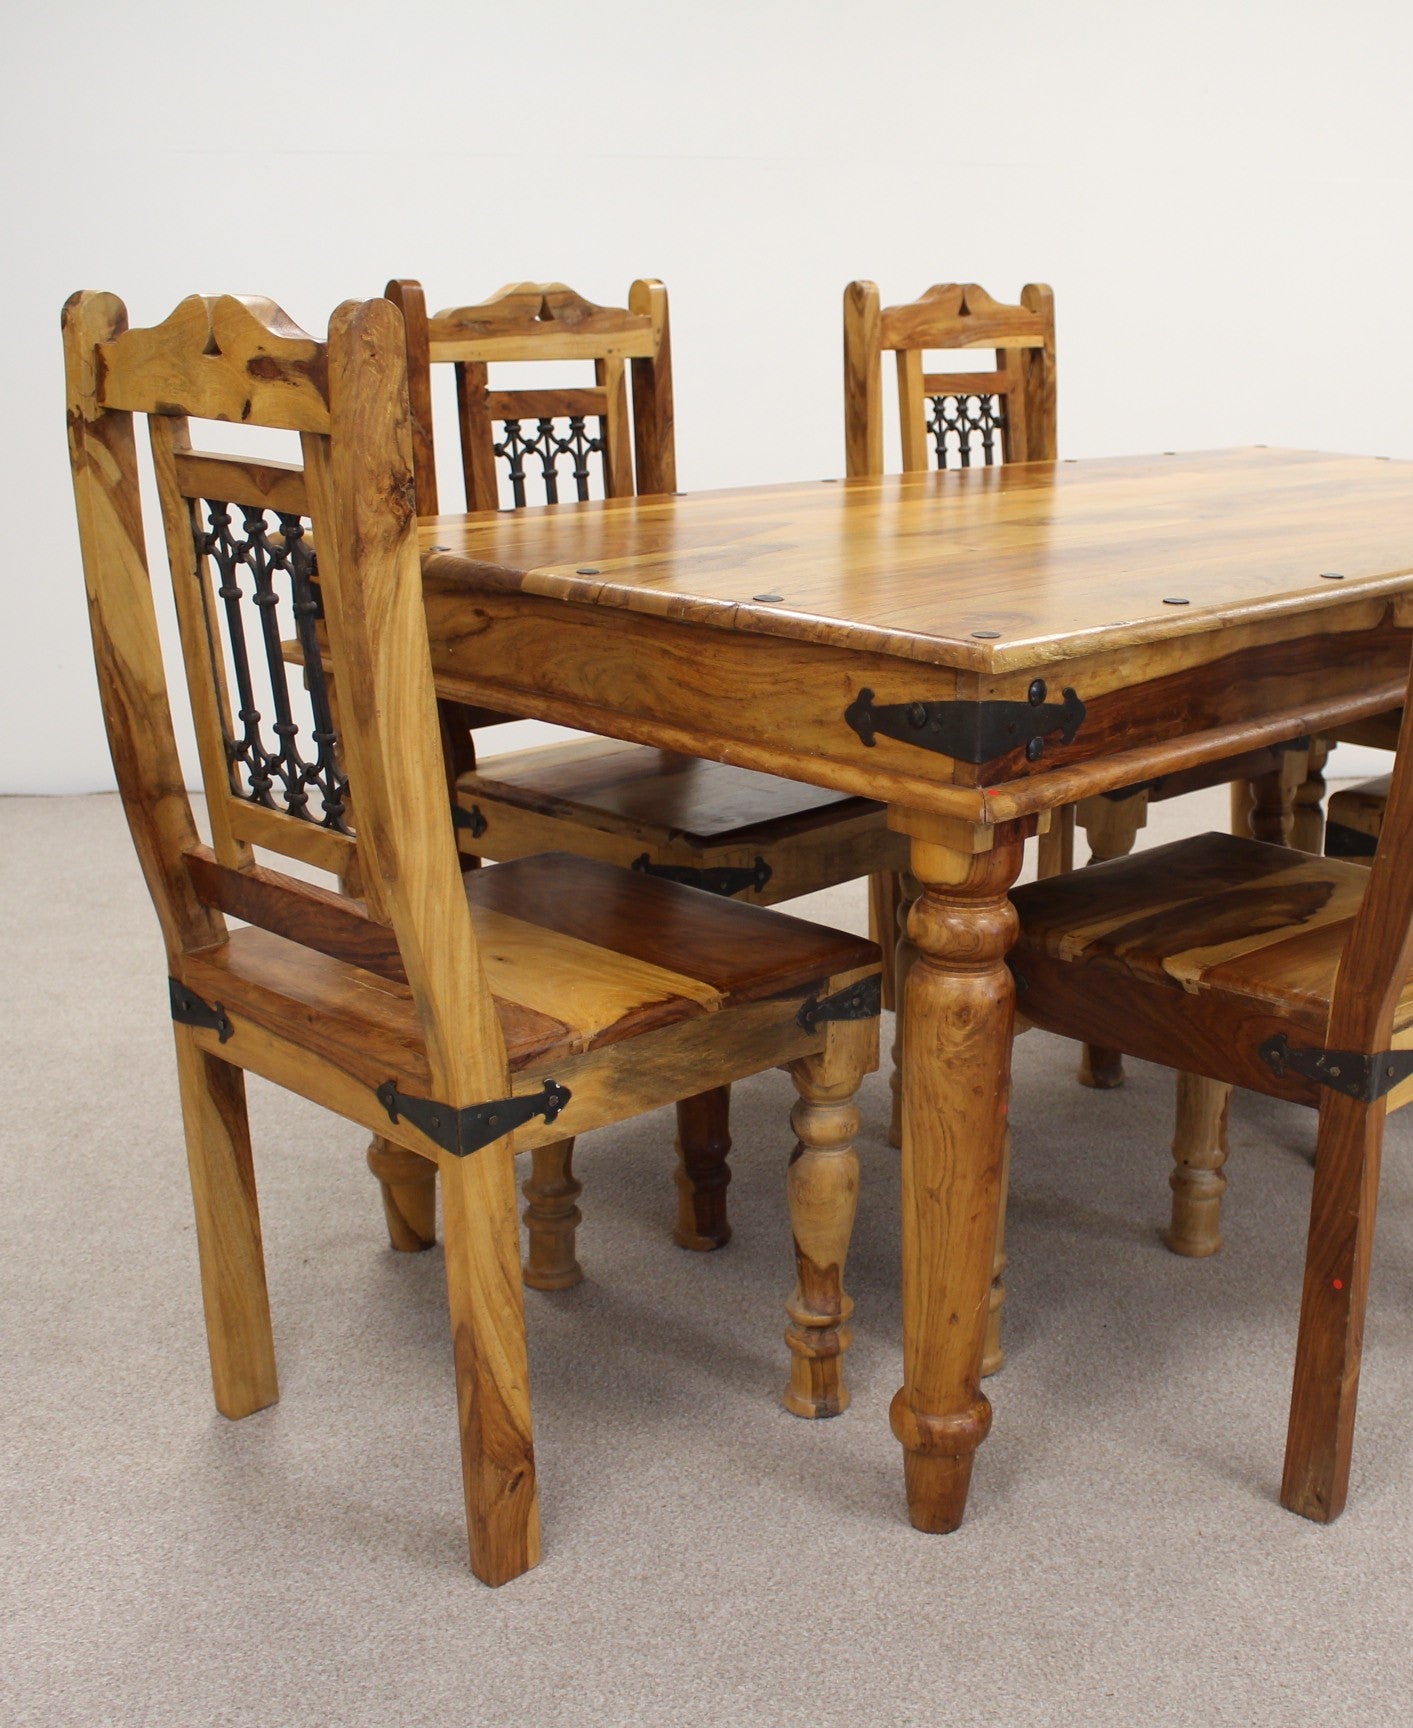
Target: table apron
{"x":778,"y":703}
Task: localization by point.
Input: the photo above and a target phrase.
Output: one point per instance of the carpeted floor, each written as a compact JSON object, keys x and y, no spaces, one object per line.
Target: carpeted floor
{"x":708,"y":1558}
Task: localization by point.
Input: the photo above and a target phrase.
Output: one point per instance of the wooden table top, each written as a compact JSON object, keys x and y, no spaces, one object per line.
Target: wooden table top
{"x":1059,"y":559}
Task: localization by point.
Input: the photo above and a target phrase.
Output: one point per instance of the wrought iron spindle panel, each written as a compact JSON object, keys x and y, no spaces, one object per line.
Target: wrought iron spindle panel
{"x":539,"y":454}
{"x":967,"y":431}
{"x":267,"y":582}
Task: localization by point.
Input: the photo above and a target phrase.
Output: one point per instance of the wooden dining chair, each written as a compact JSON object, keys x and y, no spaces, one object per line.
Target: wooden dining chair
{"x":461,"y":1019}
{"x":1265,"y":967}
{"x":730,"y":830}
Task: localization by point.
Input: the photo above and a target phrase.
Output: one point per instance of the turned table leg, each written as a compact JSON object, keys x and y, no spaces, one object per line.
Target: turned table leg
{"x":959,"y":1009}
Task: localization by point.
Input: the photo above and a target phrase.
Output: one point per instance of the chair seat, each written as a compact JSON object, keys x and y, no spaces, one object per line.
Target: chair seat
{"x":578,"y":954}
{"x":1242,"y":939}
{"x":1354,"y":819}
{"x":652,"y":809}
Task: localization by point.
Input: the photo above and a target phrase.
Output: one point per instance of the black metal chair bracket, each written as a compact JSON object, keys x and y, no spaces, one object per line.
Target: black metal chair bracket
{"x":464,"y":1131}
{"x":189,"y":1010}
{"x":1358,"y":1074}
{"x":723,"y":879}
{"x":860,"y":1001}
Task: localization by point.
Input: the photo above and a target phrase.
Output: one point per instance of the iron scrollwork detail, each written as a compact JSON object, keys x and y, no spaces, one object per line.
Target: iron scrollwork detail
{"x":277,"y":775}
{"x":548,"y":445}
{"x":964,"y":426}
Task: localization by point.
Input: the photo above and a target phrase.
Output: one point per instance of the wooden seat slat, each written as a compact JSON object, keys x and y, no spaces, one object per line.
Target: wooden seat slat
{"x":736,"y":949}
{"x":635,"y":788}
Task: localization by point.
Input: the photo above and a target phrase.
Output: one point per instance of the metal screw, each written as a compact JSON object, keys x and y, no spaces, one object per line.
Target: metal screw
{"x":1037,"y":692}
{"x":986,"y":635}
{"x":769,"y":599}
{"x":1177,"y":602}
{"x":1332,"y":576}
{"x":917,"y":715}
{"x":439,"y":548}
{"x":586,"y":570}
{"x":1035,"y":750}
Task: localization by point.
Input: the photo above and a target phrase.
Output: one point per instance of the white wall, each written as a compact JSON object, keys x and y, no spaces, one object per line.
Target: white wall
{"x":1219,"y":193}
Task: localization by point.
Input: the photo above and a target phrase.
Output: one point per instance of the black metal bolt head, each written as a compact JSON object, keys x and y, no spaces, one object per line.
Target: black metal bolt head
{"x":1035,"y":750}
{"x":1037,"y":692}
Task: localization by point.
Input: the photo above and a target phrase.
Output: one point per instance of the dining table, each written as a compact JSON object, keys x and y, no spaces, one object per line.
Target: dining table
{"x":977,"y":649}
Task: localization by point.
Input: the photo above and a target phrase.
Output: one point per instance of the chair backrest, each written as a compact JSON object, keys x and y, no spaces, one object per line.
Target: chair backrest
{"x":326,"y":548}
{"x":540,"y":428}
{"x":954,"y":419}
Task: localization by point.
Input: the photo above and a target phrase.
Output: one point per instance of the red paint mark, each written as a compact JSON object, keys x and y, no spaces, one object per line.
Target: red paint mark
{"x":1338,"y":1283}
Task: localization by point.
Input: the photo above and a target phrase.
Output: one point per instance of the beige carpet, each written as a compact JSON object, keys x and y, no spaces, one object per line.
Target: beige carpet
{"x":708,"y":1559}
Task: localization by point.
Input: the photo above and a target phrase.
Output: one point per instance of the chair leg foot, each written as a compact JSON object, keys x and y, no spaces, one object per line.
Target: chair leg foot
{"x":552,"y":1218}
{"x":1102,"y":1069}
{"x":409,"y":1185}
{"x":1199,"y":1151}
{"x":703,"y":1173}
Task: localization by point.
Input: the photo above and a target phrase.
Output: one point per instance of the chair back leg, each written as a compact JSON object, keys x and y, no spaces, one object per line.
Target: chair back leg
{"x":238,"y":1332}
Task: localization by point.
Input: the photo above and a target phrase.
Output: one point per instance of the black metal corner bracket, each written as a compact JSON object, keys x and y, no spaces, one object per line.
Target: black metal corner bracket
{"x":860,"y":1001}
{"x":974,"y":732}
{"x":471,"y":820}
{"x":189,"y":1010}
{"x":462,"y":1132}
{"x":723,"y":879}
{"x":1356,"y":1073}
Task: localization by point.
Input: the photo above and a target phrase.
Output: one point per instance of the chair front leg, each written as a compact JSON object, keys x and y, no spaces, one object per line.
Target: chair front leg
{"x":703,"y":1174}
{"x":233,"y":1292}
{"x":885,"y":890}
{"x":492,"y":1369}
{"x":823,"y":1188}
{"x":1111,"y":826}
{"x":904,"y":959}
{"x":1308,"y":817}
{"x":1199,"y":1151}
{"x":552,"y":1217}
{"x":409,"y":1185}
{"x":1330,"y":1343}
